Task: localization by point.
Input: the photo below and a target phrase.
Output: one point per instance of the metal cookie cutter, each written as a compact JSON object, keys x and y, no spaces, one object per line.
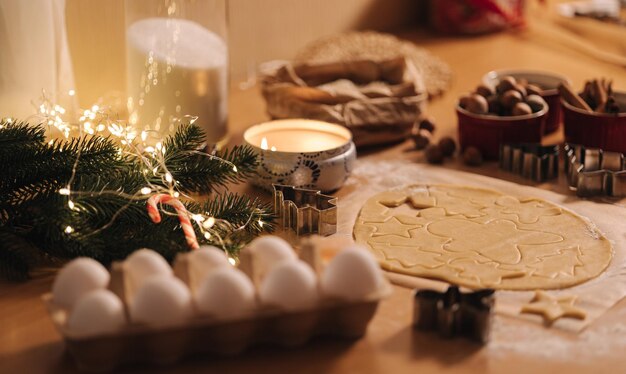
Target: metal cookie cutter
{"x":592,"y":171}
{"x":453,"y":313}
{"x":305,"y":211}
{"x":531,"y":160}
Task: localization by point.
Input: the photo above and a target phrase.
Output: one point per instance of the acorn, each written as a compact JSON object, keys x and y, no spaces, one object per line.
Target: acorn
{"x":447,"y":146}
{"x":521,"y":109}
{"x":505,"y":84}
{"x":477,"y":104}
{"x":421,"y":139}
{"x":472,"y":156}
{"x":510,"y":98}
{"x":427,"y":124}
{"x":434,"y":155}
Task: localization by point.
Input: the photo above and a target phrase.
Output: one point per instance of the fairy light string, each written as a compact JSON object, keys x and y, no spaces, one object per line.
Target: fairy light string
{"x":102,"y":121}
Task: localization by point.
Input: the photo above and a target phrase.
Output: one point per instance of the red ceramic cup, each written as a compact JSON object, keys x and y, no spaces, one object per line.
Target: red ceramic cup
{"x":596,"y":130}
{"x":488,"y":132}
{"x":547,"y":81}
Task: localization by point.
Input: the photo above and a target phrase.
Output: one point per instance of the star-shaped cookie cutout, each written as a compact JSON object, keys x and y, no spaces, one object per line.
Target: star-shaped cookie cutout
{"x":410,"y":256}
{"x":527,"y":211}
{"x":486,"y":275}
{"x":393,"y":226}
{"x":497,"y":240}
{"x":553,"y":308}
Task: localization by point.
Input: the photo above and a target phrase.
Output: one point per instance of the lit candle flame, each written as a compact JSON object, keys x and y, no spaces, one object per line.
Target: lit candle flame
{"x":264,"y":143}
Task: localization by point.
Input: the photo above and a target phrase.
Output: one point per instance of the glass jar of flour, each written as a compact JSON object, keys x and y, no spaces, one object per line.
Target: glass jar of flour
{"x":177,"y":66}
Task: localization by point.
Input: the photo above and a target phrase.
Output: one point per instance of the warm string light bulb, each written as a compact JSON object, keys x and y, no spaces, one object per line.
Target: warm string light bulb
{"x":97,"y":119}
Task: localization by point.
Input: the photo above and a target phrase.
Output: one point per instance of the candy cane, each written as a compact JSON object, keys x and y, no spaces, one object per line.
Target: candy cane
{"x":185,"y":222}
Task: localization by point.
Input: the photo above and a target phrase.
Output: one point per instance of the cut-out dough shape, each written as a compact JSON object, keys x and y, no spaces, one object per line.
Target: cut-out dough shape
{"x":527,"y":211}
{"x":411,"y":256}
{"x":497,"y":240}
{"x":393,"y":226}
{"x":541,"y":246}
{"x":553,"y":308}
{"x":563,"y":263}
{"x":488,"y":274}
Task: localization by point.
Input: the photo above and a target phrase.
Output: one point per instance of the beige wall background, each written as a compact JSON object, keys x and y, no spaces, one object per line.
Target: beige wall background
{"x":259,"y":30}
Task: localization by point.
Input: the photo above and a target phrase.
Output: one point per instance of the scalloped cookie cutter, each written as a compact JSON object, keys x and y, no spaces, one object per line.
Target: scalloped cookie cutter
{"x":592,"y":171}
{"x":306,"y":212}
{"x":455,"y":313}
{"x":531,"y":160}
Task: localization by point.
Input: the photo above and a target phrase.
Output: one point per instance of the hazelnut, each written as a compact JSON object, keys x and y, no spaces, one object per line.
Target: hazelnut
{"x":521,"y":89}
{"x":463,"y":101}
{"x":427,"y":124}
{"x":494,"y":105}
{"x":532,"y":89}
{"x":477,"y":104}
{"x":510,"y":98}
{"x":447,"y":146}
{"x":434,"y":155}
{"x":421,"y":139}
{"x":505,"y":84}
{"x":472,"y":156}
{"x":521,"y":109}
{"x":485,"y":90}
{"x":535,"y":102}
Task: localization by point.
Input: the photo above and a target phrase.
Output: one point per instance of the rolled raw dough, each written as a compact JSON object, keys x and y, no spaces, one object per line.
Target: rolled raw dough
{"x":479,"y":238}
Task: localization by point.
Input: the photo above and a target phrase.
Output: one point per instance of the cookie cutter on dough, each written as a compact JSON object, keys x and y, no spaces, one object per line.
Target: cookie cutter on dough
{"x":530,"y":160}
{"x":305,"y":211}
{"x":592,"y":171}
{"x":455,"y":313}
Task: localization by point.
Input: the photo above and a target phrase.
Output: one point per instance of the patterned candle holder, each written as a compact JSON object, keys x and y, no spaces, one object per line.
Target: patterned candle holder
{"x":302,"y":153}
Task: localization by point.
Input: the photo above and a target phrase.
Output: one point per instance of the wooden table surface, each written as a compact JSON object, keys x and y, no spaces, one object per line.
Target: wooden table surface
{"x":29,"y":343}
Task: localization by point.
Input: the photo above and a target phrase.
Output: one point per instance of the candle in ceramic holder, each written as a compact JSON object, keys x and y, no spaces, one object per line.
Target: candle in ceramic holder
{"x":303,"y":153}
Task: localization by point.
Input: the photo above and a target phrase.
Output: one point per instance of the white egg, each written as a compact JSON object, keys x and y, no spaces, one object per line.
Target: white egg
{"x":143,"y":264}
{"x":98,"y":312}
{"x":161,"y":300}
{"x":352,"y":274}
{"x":225,"y":293}
{"x":270,"y":250}
{"x":290,"y":285}
{"x":77,"y":278}
{"x":204,"y":260}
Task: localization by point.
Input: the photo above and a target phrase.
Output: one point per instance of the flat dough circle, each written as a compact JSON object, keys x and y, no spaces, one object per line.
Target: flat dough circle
{"x":478,"y":238}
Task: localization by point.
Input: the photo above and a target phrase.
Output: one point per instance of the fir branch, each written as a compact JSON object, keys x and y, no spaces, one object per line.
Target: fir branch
{"x":36,"y":222}
{"x":16,"y":134}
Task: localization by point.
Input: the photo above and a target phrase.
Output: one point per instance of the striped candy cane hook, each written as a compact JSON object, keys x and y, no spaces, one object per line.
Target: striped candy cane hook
{"x":185,"y":222}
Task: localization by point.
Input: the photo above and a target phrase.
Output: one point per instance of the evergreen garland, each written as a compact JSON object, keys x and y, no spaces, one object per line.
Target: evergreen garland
{"x":38,"y":228}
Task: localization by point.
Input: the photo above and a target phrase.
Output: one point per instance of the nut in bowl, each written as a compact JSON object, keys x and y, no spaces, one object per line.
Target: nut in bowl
{"x":598,"y":130}
{"x":543,"y":83}
{"x":491,"y":116}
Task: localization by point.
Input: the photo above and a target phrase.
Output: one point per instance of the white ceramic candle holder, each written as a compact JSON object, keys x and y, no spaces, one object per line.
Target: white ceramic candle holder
{"x":302,"y":153}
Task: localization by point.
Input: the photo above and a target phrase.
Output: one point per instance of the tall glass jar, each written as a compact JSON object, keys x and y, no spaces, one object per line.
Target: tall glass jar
{"x":177,"y":65}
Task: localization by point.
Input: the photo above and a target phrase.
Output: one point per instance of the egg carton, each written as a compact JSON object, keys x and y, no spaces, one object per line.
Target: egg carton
{"x":144,"y":344}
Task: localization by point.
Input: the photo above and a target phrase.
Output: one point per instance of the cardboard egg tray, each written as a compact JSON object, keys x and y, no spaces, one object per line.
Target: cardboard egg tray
{"x":140,"y":343}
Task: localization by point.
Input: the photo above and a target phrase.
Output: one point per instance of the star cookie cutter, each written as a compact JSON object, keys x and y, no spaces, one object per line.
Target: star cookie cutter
{"x":530,"y":160}
{"x":306,"y":212}
{"x":592,"y":171}
{"x":455,"y":313}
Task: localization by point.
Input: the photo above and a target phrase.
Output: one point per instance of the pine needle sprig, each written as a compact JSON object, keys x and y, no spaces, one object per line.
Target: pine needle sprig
{"x":101,"y":212}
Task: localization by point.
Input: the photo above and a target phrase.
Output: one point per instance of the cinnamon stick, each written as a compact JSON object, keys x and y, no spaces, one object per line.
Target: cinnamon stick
{"x":572,"y":97}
